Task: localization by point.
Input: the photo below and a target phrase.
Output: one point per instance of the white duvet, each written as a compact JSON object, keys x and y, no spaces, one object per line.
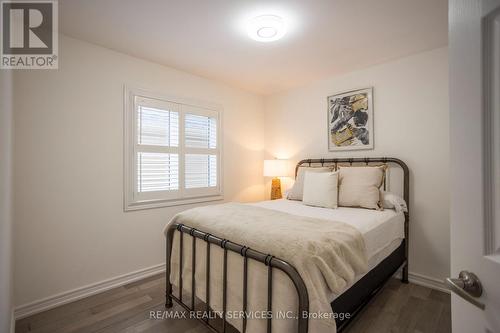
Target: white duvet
{"x":380,"y":229}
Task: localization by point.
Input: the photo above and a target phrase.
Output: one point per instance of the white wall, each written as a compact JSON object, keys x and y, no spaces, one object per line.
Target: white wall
{"x":6,"y":282}
{"x":70,"y":227}
{"x":411,"y":123}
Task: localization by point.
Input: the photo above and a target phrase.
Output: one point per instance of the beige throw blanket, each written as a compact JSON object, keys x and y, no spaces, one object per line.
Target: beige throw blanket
{"x":328,"y":255}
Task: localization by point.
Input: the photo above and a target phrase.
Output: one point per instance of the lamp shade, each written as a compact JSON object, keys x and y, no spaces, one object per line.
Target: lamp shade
{"x":276,"y":168}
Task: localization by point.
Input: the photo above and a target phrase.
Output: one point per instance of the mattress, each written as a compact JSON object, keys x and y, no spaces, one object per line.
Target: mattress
{"x":383,"y":231}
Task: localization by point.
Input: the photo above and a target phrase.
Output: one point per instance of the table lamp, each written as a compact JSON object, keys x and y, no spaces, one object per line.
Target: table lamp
{"x":276,"y":168}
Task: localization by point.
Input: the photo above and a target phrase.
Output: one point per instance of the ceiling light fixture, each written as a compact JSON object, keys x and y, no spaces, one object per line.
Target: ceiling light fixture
{"x":266,"y":28}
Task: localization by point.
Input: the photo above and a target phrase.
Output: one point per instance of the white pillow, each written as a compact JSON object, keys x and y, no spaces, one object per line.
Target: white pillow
{"x":320,"y":189}
{"x":296,"y":192}
{"x":393,"y":201}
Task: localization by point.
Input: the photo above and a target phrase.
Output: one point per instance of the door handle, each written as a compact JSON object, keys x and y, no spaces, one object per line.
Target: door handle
{"x":468,"y":287}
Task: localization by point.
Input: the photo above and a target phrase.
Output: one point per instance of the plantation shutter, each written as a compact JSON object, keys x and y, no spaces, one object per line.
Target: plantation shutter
{"x":176,"y":153}
{"x":157,"y":147}
{"x":201,"y":140}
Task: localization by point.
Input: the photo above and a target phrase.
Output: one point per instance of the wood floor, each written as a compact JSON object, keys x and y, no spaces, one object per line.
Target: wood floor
{"x":397,"y":308}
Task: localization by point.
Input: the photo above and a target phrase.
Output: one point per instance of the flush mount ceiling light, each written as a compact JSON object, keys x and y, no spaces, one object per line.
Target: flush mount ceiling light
{"x":266,"y":28}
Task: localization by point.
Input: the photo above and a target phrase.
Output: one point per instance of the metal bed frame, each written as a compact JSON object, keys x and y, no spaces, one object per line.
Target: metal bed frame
{"x":351,"y":301}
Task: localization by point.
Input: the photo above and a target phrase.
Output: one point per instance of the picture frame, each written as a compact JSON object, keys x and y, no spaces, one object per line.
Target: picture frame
{"x":350,"y":120}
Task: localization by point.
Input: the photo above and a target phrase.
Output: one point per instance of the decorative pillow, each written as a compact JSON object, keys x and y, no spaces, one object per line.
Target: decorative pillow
{"x":359,"y":186}
{"x":393,"y":201}
{"x":321,"y":189}
{"x":297,"y":189}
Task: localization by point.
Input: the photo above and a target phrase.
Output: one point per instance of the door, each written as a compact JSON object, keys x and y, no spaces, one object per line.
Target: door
{"x":474,"y":53}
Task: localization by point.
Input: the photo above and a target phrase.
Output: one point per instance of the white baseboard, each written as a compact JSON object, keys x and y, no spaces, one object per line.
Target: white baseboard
{"x":426,"y":281}
{"x":12,"y":322}
{"x":85,"y":291}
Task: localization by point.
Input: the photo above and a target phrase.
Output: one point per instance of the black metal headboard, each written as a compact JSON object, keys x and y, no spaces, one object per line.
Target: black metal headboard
{"x":366,"y":160}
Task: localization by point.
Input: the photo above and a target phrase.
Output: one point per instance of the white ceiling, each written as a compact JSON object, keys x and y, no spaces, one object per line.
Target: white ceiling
{"x":208,"y":37}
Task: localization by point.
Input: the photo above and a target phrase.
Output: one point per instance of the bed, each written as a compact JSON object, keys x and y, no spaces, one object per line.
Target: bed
{"x":219,"y":283}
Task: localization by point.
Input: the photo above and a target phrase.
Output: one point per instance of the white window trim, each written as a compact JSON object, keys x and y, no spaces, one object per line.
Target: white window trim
{"x":192,"y":195}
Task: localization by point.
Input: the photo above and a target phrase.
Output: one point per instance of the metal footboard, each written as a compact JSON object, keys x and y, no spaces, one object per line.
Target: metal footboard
{"x":247,"y":253}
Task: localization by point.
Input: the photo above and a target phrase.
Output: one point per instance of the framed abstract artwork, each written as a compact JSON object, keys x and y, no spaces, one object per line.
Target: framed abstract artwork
{"x":350,"y":120}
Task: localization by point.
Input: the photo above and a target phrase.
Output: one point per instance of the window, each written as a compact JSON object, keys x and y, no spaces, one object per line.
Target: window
{"x":172,"y":151}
